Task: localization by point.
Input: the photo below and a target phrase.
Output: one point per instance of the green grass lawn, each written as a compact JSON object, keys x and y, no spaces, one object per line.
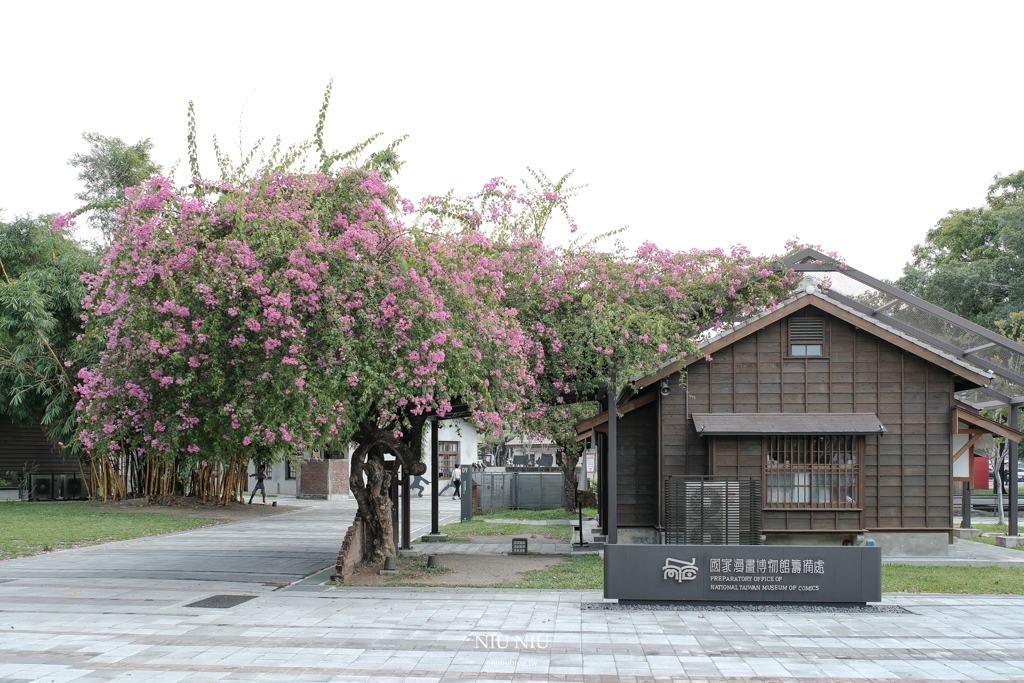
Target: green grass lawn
{"x":587,"y":571}
{"x":31,"y":528}
{"x":459,"y":531}
{"x":560,"y":513}
{"x":901,"y":578}
{"x":576,"y":572}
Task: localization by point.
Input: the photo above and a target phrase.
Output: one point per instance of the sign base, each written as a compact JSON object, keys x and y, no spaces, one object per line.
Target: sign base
{"x":743,"y":574}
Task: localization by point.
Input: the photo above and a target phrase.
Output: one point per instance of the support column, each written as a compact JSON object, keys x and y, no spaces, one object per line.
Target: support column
{"x":965,"y":502}
{"x":436,"y":486}
{"x":394,"y":504}
{"x":613,"y":480}
{"x":406,"y":512}
{"x":1011,"y":528}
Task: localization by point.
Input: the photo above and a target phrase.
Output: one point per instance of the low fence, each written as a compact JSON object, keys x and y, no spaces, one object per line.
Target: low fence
{"x":519,"y":490}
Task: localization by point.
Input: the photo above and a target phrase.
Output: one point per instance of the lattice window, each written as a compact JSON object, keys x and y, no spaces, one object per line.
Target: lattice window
{"x":806,"y":336}
{"x":804,"y":471}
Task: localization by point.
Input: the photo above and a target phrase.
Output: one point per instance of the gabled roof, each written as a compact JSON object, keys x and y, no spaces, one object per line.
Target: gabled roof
{"x":959,"y":367}
{"x":925,"y":321}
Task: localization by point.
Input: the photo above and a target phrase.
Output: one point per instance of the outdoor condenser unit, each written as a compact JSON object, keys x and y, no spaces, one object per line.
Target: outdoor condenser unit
{"x":712,"y":511}
{"x":41,"y":487}
{"x":71,"y":487}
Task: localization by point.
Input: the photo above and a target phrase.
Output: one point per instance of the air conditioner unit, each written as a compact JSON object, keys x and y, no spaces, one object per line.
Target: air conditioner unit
{"x":712,"y":511}
{"x":40,"y":487}
{"x":74,"y":488}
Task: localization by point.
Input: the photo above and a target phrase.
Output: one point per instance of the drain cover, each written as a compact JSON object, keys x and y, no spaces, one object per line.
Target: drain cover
{"x":222,"y":601}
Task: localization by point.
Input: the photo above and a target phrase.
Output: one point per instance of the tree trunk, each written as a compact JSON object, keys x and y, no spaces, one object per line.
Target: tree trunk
{"x":374,"y":503}
{"x":372,"y":494}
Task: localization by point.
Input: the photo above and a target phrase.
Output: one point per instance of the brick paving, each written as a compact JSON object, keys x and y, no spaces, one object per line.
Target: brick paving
{"x":118,"y":612}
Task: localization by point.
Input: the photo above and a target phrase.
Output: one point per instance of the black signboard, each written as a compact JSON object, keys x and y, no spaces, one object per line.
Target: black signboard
{"x":743,"y":573}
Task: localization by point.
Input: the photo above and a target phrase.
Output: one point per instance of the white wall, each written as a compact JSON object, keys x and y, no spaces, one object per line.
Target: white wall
{"x":452,"y":430}
{"x":277,"y":483}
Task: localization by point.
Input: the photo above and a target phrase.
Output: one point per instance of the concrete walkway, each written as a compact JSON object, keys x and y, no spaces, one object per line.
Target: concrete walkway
{"x":272,"y":551}
{"x":121,"y":612}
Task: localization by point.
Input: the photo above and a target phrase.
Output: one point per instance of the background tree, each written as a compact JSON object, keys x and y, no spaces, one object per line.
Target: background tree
{"x":109,"y":168}
{"x":972,"y":261}
{"x":40,"y":324}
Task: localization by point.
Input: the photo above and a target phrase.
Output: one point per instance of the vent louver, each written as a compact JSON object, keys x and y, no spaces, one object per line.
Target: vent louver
{"x":806,"y":331}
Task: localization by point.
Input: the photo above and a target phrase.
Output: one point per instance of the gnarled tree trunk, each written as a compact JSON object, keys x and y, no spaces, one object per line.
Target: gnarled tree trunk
{"x":372,"y":494}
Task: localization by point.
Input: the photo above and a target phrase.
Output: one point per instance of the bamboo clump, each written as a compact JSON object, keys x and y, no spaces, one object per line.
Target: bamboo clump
{"x":117,"y":477}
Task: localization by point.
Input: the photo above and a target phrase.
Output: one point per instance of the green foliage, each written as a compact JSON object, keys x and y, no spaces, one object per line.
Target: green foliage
{"x":40,"y":321}
{"x":970,"y":261}
{"x":31,"y":528}
{"x":110,"y":167}
{"x":257,"y":162}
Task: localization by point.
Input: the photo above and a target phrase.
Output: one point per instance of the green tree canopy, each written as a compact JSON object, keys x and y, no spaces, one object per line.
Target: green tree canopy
{"x":110,"y":167}
{"x":972,"y":261}
{"x":40,"y":323}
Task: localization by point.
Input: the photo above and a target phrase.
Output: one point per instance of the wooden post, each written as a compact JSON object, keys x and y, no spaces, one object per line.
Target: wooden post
{"x":612,"y":498}
{"x":436,"y":486}
{"x":965,"y":499}
{"x":1011,"y":528}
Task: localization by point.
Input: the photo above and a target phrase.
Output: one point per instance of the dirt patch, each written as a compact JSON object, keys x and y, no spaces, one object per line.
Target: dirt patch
{"x":190,"y":507}
{"x":458,"y":570}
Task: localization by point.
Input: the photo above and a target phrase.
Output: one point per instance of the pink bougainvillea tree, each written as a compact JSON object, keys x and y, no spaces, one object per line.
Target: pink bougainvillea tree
{"x":600,"y":316}
{"x":307,"y":310}
{"x":296,"y":311}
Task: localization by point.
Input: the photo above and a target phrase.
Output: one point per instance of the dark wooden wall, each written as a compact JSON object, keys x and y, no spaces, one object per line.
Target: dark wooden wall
{"x":906,"y":473}
{"x":27,"y":443}
{"x":637,"y":488}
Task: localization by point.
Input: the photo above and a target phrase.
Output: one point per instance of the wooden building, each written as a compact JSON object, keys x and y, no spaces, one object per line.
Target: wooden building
{"x":848,"y":428}
{"x":25,"y":448}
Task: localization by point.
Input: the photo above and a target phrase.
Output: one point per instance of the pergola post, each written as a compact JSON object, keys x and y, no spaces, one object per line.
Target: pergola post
{"x":436,"y":485}
{"x":1011,"y":527}
{"x":406,"y":512}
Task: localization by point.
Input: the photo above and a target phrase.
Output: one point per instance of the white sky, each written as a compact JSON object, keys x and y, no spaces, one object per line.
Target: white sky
{"x":701,"y":124}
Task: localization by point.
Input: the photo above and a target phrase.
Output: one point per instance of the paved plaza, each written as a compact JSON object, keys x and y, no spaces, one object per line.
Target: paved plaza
{"x":120,"y":612}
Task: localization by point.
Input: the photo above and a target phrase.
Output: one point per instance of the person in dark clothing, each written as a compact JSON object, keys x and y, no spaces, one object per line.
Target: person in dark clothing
{"x":417,"y":485}
{"x":261,"y":474}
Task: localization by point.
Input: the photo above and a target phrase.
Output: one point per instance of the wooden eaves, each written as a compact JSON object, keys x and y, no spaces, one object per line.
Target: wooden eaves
{"x":801,"y":301}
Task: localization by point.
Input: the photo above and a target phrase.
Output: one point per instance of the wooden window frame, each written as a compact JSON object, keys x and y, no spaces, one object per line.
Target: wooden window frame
{"x":813,"y":473}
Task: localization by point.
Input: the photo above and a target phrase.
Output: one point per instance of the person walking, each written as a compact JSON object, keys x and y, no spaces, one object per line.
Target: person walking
{"x":261,"y":474}
{"x":457,"y":482}
{"x":417,"y":485}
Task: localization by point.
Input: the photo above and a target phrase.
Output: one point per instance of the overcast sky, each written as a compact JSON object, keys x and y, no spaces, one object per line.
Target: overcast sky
{"x":855,"y":126}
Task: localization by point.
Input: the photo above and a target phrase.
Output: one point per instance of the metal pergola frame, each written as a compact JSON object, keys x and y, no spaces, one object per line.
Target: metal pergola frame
{"x":811,"y":260}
